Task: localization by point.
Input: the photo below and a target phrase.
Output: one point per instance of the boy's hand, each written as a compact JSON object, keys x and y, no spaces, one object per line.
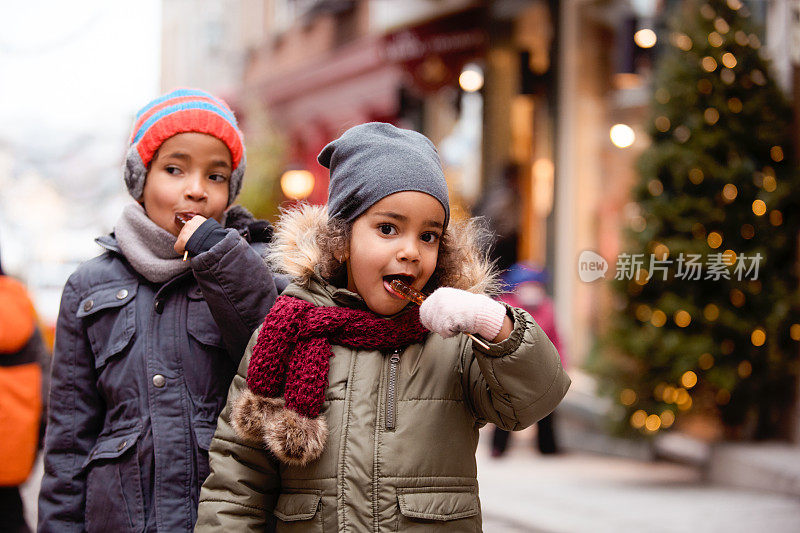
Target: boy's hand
{"x":188,"y":229}
{"x":450,"y":311}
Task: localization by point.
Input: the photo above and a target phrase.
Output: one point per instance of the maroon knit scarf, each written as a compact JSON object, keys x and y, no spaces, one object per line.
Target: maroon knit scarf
{"x":292,"y":353}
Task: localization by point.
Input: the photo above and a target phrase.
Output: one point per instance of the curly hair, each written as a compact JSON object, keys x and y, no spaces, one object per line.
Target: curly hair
{"x":463,"y":251}
{"x":333,"y":240}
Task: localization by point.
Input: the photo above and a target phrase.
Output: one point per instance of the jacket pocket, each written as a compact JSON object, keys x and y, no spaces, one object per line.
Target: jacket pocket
{"x":207,"y":367}
{"x":200,"y":323}
{"x":299,"y":511}
{"x":110,"y":320}
{"x":114,"y":500}
{"x":429,"y":508}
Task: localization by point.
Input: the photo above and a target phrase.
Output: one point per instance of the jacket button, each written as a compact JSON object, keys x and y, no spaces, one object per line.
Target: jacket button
{"x":122,"y":445}
{"x":122,"y":294}
{"x":159,"y":381}
{"x":159,"y":306}
{"x":88,"y":305}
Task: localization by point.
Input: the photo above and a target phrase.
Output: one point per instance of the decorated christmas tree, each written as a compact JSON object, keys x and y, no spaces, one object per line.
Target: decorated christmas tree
{"x":707,"y":292}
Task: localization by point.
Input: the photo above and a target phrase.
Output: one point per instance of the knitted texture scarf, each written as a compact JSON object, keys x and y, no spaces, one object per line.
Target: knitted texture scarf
{"x":147,"y":246}
{"x":291,"y":358}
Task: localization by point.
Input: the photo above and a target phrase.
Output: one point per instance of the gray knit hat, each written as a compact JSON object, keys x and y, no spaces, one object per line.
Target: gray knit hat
{"x":182,"y":111}
{"x":373,"y":160}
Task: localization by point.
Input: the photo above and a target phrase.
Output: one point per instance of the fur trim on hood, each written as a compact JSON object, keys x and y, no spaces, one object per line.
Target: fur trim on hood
{"x":296,"y":252}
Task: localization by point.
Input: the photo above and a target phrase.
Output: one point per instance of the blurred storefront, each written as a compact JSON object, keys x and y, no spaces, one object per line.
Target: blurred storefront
{"x":342,"y":63}
{"x":478,"y":78}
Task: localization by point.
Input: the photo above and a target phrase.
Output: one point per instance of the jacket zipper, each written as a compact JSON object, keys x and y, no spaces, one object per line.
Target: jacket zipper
{"x":391,"y":390}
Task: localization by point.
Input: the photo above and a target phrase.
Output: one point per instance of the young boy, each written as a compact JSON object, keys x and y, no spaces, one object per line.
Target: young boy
{"x":147,"y":342}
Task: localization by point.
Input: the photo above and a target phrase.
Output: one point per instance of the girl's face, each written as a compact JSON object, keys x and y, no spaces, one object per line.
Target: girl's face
{"x":188,"y":176}
{"x":398,"y":237}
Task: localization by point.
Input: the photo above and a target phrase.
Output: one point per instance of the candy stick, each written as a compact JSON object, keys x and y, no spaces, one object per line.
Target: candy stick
{"x":413,"y":295}
{"x":409,"y":293}
{"x":185,"y":255}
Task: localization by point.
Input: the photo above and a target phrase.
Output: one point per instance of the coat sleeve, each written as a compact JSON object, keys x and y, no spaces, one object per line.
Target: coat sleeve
{"x":238,"y":288}
{"x":240,"y":492}
{"x":517,"y":381}
{"x":75,"y":418}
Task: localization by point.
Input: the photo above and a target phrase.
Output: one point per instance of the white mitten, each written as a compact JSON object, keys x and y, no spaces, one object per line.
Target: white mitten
{"x":449,"y":311}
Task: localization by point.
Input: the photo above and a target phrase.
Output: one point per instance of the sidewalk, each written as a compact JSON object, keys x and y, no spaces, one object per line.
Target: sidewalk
{"x":527,"y":492}
{"x":524,"y":492}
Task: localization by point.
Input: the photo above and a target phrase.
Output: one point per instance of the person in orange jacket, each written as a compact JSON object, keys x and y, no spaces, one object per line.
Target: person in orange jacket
{"x":21,"y":351}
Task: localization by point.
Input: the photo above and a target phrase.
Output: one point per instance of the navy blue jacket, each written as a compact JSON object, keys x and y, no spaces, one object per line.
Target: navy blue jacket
{"x":140,"y":375}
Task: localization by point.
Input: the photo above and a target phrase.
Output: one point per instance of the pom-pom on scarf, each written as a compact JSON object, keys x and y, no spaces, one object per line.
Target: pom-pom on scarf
{"x":288,"y":370}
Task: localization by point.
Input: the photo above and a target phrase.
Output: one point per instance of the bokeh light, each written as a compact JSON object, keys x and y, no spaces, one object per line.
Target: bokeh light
{"x":471,"y":78}
{"x":297,"y":184}
{"x":622,"y":135}
{"x":645,"y":38}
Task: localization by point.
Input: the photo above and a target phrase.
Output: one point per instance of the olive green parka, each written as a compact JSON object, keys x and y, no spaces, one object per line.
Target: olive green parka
{"x":403,"y":427}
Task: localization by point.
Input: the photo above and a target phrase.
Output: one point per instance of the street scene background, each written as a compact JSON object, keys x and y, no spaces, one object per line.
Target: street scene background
{"x":636,"y":161}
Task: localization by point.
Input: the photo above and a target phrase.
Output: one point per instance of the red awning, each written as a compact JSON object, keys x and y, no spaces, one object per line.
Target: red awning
{"x":352,"y":84}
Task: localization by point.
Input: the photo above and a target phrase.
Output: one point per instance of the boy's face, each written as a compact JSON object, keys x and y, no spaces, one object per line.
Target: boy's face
{"x":188,"y":176}
{"x":398,"y":237}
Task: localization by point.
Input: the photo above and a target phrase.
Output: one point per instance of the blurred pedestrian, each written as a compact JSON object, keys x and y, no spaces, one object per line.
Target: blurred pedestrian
{"x":525,"y":288}
{"x":354,"y":409}
{"x":147,"y":342}
{"x":22,"y":353}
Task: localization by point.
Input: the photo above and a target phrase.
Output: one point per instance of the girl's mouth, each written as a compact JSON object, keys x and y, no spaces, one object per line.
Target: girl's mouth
{"x":387,"y":280}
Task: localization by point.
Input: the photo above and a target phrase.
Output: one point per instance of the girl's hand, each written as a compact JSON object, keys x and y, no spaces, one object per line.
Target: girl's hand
{"x":450,"y":311}
{"x":188,"y":229}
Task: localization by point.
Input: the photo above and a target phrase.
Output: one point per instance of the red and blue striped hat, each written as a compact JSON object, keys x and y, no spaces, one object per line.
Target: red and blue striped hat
{"x":182,"y":111}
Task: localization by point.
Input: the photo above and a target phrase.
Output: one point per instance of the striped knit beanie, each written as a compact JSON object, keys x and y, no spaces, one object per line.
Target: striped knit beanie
{"x":182,"y":111}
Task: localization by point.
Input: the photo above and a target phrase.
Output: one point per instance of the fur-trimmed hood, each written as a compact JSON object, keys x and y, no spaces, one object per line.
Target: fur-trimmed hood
{"x":295,"y":250}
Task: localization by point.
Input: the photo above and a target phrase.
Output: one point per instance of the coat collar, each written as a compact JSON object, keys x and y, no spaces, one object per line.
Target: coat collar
{"x":109,"y":242}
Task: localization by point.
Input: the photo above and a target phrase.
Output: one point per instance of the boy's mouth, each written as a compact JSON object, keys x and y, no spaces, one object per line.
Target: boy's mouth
{"x":404,"y":278}
{"x":183,"y":217}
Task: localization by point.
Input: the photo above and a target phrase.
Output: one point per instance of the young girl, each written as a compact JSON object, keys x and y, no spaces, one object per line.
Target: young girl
{"x":346,"y":413}
{"x":147,"y":343}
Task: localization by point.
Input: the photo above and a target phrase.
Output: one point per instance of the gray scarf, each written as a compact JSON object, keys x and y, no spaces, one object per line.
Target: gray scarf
{"x":147,"y":246}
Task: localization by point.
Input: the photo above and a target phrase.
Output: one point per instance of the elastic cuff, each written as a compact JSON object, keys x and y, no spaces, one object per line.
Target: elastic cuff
{"x":489,"y":319}
{"x":205,"y":237}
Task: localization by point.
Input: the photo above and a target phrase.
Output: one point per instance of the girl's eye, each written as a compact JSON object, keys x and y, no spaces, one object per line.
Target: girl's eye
{"x":430,"y":237}
{"x":387,"y":229}
{"x":173,"y":170}
{"x":218,"y":177}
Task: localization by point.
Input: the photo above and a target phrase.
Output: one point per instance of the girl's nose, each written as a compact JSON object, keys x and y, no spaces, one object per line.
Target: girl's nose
{"x":195,"y":189}
{"x":409,"y":251}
